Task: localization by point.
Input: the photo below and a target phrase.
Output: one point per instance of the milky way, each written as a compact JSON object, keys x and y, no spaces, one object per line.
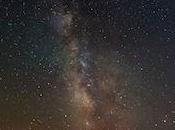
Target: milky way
{"x":76,"y":71}
{"x":92,"y":93}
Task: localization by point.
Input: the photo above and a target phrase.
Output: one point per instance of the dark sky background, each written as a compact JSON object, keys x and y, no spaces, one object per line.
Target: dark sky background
{"x":124,"y":57}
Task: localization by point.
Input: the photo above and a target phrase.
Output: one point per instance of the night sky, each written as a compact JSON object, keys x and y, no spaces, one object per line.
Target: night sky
{"x":87,"y":65}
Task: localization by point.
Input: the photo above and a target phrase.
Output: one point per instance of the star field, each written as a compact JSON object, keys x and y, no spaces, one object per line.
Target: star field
{"x":87,"y":65}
